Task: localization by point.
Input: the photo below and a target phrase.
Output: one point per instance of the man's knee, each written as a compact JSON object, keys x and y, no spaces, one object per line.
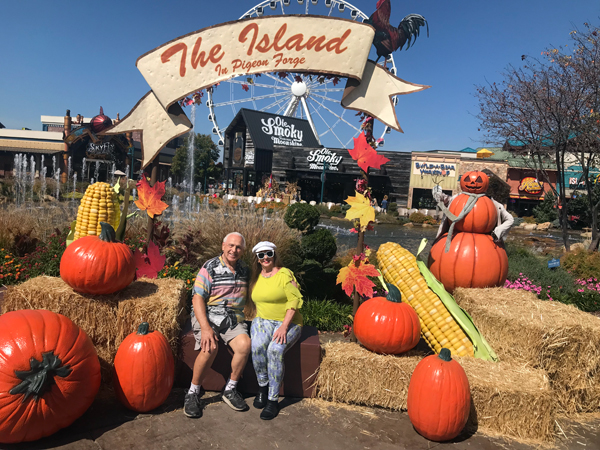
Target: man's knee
{"x":241,"y":344}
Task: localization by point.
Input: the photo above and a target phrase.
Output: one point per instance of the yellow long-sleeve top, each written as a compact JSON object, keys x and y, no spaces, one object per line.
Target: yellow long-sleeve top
{"x":273,"y":296}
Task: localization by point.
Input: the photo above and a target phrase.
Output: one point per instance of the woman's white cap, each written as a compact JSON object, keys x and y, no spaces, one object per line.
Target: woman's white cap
{"x":263,"y":247}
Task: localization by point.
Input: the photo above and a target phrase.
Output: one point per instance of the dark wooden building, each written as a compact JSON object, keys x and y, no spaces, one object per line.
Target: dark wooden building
{"x":259,"y":144}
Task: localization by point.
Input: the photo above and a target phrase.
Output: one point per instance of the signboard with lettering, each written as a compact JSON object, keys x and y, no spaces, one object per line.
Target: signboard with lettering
{"x":101,"y":150}
{"x":281,"y":132}
{"x":283,"y":43}
{"x":432,"y":168}
{"x":531,"y":186}
{"x":553,"y":263}
{"x":317,"y":157}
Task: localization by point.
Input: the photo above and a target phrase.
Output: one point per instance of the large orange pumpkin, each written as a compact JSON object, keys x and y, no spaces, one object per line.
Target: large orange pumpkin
{"x":144,"y":370}
{"x":98,"y":264}
{"x":385,"y":326}
{"x":482,"y":218}
{"x":49,"y":374}
{"x":439,"y":397}
{"x":474,"y":182}
{"x":474,"y":260}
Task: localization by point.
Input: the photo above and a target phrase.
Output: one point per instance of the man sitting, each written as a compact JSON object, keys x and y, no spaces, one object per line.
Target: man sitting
{"x":220,"y":292}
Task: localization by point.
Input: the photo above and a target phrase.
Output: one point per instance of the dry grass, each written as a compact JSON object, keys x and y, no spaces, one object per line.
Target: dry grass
{"x":557,"y":338}
{"x":41,"y":221}
{"x":107,"y":319}
{"x":214,"y":225}
{"x":508,"y":398}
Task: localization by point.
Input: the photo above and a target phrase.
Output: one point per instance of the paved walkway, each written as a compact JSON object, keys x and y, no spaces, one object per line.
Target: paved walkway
{"x":302,"y":424}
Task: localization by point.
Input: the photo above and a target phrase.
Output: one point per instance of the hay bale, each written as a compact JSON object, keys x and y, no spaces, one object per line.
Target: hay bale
{"x":557,"y":338}
{"x":159,"y":302}
{"x":508,"y":399}
{"x":107,"y":319}
{"x":96,"y":315}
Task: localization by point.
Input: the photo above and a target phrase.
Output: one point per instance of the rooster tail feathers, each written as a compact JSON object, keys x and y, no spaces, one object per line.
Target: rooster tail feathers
{"x":410,"y":26}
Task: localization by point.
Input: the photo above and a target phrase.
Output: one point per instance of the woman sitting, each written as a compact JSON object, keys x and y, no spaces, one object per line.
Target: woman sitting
{"x":277,"y":325}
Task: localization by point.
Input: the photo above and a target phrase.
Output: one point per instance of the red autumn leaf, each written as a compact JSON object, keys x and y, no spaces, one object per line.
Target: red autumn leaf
{"x":149,"y":198}
{"x":353,"y":277}
{"x":336,"y":80}
{"x":365,"y":155}
{"x":282,"y":75}
{"x":148,"y":265}
{"x":245,"y":87}
{"x":298,"y":78}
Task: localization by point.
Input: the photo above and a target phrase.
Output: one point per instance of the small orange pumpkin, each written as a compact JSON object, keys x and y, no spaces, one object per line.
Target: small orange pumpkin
{"x":439,"y":397}
{"x":475,"y":182}
{"x":144,"y":370}
{"x":482,"y":218}
{"x":98,"y":265}
{"x":473,"y":261}
{"x":386,"y":326}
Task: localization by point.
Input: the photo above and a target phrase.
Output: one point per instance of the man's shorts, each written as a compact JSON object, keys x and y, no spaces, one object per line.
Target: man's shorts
{"x":226,"y":335}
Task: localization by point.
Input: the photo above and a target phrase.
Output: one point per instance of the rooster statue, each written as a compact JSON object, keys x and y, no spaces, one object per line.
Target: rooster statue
{"x":387,"y":38}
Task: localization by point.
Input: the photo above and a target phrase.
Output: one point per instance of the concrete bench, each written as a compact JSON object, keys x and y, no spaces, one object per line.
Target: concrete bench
{"x":301,"y":365}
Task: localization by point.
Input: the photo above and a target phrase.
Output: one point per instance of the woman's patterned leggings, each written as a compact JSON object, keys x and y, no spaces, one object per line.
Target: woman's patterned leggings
{"x":267,"y":355}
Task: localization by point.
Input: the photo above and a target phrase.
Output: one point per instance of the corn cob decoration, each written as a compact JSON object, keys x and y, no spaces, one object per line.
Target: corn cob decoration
{"x":99,"y":204}
{"x":438,"y":327}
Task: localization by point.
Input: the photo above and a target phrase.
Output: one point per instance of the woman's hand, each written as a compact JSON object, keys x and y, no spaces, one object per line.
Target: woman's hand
{"x":280,"y":335}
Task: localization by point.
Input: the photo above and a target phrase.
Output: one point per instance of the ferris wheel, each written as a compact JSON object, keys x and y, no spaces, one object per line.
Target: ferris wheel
{"x":315,"y":98}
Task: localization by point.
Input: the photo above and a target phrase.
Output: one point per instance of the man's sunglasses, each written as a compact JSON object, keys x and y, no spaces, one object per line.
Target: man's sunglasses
{"x":268,"y":253}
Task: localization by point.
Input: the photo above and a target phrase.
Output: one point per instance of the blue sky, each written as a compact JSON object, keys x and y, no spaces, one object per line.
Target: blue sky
{"x":61,"y":55}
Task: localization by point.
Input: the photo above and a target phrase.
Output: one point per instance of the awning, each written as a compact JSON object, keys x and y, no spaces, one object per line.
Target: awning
{"x":25,"y":146}
{"x":484,"y":153}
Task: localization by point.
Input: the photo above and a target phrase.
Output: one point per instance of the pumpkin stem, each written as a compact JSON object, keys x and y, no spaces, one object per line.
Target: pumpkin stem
{"x":393,"y":294}
{"x":41,"y":376}
{"x":107,"y":233}
{"x":445,"y":355}
{"x":143,"y":329}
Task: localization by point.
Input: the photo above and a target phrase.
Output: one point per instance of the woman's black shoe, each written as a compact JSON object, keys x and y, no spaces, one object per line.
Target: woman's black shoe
{"x":260,"y":401}
{"x":270,"y":411}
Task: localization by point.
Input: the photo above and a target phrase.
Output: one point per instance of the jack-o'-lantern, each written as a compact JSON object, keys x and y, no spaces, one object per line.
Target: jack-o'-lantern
{"x":474,"y":182}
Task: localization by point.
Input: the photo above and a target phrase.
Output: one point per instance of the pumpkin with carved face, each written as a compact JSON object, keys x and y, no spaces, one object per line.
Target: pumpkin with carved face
{"x":474,"y":182}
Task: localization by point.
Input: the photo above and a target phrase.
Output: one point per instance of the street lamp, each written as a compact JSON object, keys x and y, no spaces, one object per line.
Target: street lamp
{"x":325,"y":167}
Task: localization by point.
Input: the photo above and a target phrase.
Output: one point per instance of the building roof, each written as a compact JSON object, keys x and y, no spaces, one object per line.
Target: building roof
{"x":2,"y":126}
{"x":27,"y":146}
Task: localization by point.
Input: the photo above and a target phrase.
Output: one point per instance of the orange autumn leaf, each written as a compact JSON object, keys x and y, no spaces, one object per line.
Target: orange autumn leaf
{"x":353,"y":277}
{"x":365,"y":155}
{"x":149,"y":198}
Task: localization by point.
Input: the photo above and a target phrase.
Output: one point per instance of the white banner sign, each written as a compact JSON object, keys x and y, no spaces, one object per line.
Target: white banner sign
{"x":310,"y":44}
{"x":318,"y":157}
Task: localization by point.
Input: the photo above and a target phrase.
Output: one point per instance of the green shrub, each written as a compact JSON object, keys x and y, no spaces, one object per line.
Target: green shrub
{"x":393,"y":208}
{"x":582,"y":263}
{"x":535,"y":268}
{"x":546,"y":211}
{"x":418,"y":217}
{"x":317,"y":281}
{"x":183,"y":272}
{"x":529,"y":219}
{"x":302,"y":216}
{"x":336,"y":209}
{"x":319,"y":246}
{"x":326,"y":315}
{"x":323,"y":209}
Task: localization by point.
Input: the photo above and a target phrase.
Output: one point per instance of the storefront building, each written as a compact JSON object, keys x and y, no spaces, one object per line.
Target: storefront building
{"x":429,"y":169}
{"x":258,"y":145}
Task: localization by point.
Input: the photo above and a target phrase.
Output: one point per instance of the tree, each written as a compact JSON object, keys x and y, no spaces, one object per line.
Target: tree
{"x":206,"y":155}
{"x":544,"y":111}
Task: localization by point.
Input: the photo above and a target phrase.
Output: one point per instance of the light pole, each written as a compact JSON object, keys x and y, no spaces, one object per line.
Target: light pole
{"x":205,"y":169}
{"x":325,"y":167}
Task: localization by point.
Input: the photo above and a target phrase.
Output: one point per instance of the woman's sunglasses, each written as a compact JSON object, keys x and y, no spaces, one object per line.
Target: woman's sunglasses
{"x":268,"y":253}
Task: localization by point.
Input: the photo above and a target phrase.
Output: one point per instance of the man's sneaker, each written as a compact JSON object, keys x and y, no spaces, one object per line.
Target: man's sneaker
{"x":235,"y":400}
{"x":192,"y":405}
